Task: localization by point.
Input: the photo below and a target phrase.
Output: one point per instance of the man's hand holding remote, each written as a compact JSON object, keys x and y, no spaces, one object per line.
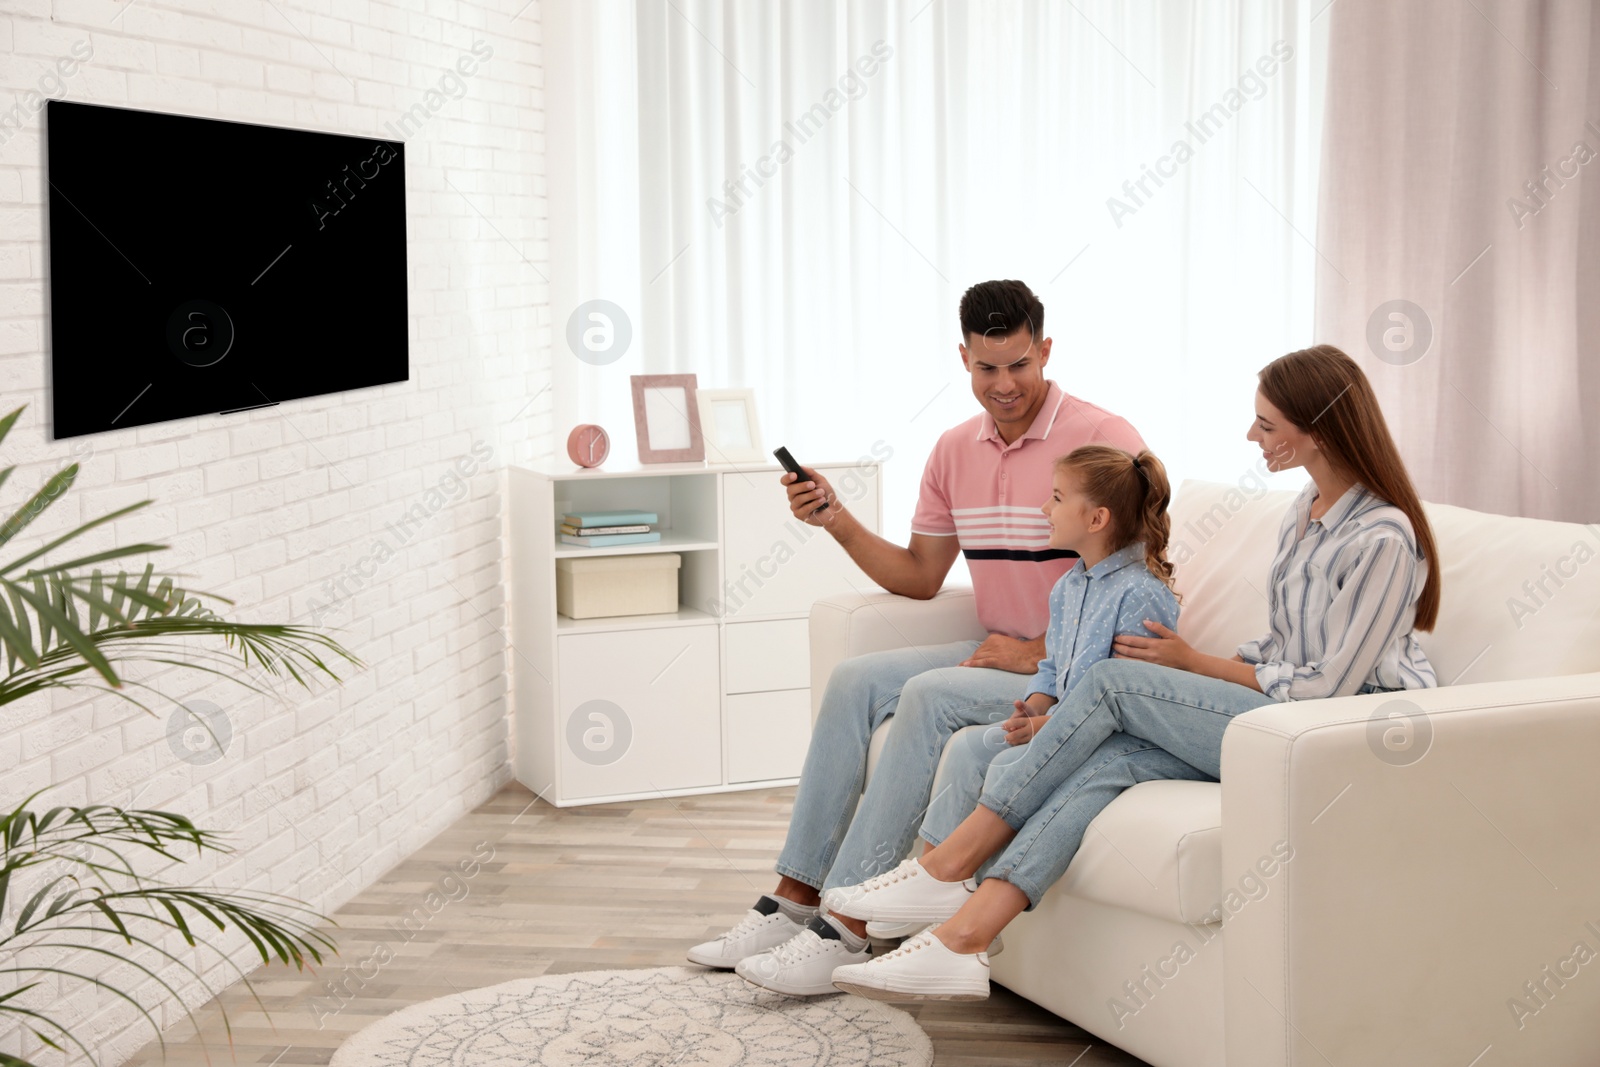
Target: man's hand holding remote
{"x":916,"y":570}
{"x":804,"y":501}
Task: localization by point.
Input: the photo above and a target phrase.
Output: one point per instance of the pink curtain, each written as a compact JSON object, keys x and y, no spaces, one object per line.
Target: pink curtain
{"x":1459,"y":241}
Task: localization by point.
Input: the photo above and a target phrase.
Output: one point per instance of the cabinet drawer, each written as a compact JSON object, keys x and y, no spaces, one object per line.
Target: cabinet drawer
{"x":638,"y":711}
{"x":763,"y":656}
{"x":768,"y":734}
{"x":775,"y":564}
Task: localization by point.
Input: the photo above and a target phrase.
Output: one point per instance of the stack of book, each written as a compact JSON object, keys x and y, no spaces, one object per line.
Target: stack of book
{"x":599,"y":529}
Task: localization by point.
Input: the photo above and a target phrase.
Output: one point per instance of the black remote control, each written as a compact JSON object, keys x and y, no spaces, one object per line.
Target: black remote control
{"x":794,"y":468}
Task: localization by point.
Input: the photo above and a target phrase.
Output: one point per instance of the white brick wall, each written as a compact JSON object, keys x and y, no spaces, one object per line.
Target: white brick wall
{"x":281,"y":509}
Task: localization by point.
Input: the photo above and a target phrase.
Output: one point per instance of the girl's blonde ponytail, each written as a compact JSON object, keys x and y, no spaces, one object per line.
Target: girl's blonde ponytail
{"x":1136,"y":491}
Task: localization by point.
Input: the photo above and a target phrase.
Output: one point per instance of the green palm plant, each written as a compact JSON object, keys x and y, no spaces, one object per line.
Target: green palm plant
{"x":71,"y":892}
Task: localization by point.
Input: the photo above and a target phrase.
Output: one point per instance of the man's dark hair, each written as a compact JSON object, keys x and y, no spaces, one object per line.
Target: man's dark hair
{"x":1000,"y":308}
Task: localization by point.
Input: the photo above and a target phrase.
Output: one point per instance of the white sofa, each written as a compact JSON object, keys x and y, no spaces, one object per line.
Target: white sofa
{"x":1385,"y":886}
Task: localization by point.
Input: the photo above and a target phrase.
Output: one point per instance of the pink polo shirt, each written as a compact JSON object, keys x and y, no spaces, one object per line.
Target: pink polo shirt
{"x":987,"y":493}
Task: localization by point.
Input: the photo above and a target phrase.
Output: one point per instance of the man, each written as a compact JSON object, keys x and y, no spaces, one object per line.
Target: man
{"x":980,"y":496}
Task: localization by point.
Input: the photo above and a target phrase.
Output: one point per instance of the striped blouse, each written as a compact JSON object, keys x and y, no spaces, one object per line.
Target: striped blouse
{"x":1343,"y":599}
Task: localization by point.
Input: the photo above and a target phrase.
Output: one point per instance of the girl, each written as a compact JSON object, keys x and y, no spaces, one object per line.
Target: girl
{"x":1354,"y":578}
{"x":1110,"y":508}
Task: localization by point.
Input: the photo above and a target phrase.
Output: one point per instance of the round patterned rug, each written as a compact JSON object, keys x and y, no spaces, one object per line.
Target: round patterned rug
{"x":663,"y":1017}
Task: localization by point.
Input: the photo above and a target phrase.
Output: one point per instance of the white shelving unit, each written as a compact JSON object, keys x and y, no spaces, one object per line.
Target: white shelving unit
{"x":710,"y":698}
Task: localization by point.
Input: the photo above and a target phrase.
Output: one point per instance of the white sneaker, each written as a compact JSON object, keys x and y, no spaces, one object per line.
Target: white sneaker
{"x":763,"y":928}
{"x":900,"y":931}
{"x":920,"y":969}
{"x":904,"y":895}
{"x":804,"y":965}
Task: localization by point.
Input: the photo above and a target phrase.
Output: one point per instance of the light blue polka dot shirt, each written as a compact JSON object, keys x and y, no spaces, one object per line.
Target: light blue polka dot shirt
{"x":1090,"y":608}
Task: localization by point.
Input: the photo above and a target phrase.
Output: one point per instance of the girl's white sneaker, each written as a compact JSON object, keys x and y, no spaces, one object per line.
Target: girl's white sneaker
{"x":900,"y":931}
{"x":920,"y":969}
{"x":904,"y":895}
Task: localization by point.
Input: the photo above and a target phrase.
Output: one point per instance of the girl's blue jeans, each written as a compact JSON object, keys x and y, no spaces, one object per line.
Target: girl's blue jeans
{"x":1126,"y":722}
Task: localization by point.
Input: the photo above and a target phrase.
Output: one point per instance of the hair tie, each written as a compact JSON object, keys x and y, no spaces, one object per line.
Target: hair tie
{"x":1136,"y":463}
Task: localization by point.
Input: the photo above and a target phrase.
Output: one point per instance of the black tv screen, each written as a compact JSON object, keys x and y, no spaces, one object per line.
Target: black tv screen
{"x":199,"y":266}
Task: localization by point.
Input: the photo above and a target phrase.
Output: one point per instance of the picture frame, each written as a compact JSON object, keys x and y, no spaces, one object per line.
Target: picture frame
{"x":731,"y":426}
{"x":666,"y":418}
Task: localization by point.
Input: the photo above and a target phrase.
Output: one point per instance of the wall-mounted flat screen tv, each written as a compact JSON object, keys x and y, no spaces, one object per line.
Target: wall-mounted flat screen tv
{"x":199,"y":266}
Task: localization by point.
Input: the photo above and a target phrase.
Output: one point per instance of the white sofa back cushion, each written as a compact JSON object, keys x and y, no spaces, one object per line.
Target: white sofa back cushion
{"x":1520,"y":597}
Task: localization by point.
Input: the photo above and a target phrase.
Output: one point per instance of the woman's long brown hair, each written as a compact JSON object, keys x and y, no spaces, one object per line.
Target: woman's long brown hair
{"x":1326,"y":394}
{"x":1136,"y":492}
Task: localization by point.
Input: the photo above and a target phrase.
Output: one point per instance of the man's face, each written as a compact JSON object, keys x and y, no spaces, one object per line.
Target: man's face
{"x":1008,"y":376}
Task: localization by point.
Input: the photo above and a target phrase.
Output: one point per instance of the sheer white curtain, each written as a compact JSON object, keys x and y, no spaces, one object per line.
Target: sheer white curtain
{"x":792,"y":197}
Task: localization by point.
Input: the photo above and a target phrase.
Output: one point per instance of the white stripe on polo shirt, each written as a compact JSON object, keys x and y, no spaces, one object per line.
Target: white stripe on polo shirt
{"x":968,"y":537}
{"x":1007,"y":516}
{"x":990,"y":526}
{"x":1012,"y":517}
{"x":1007,"y":526}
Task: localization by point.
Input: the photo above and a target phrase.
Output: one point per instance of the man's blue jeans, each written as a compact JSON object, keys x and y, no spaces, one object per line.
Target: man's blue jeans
{"x":930,"y":698}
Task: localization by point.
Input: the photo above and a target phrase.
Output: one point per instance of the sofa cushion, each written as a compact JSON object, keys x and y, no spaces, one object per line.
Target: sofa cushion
{"x":1518,"y":596}
{"x":1156,"y":849}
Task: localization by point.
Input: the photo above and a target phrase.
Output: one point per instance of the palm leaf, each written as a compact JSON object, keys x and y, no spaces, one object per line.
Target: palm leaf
{"x":8,"y":422}
{"x":55,"y":617}
{"x":58,"y":483}
{"x":71,"y":535}
{"x":66,"y":624}
{"x":70,"y":911}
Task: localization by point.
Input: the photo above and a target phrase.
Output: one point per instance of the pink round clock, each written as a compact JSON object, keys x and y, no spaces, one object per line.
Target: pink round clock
{"x":588,"y":445}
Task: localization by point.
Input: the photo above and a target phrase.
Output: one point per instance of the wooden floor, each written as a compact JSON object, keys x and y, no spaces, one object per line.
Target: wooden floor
{"x":575,"y":889}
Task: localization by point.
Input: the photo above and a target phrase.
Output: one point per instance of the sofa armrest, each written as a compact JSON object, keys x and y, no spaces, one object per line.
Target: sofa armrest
{"x":1393,"y":881}
{"x":853,"y":624}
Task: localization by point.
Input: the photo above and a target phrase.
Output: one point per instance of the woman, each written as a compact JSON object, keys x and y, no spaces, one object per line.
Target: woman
{"x":1352,"y":582}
